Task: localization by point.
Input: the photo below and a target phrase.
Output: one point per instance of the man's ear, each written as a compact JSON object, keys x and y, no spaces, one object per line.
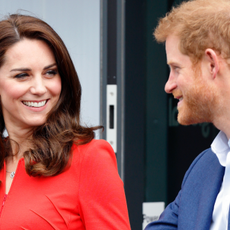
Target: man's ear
{"x":213,"y":62}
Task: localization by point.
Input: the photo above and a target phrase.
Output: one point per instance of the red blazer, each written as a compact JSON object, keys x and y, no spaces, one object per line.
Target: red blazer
{"x":88,"y":195}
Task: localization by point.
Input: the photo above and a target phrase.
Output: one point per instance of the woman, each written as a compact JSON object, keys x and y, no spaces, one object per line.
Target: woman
{"x":54,"y":175}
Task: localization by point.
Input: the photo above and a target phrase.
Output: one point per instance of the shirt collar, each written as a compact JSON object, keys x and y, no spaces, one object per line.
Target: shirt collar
{"x":221,"y":146}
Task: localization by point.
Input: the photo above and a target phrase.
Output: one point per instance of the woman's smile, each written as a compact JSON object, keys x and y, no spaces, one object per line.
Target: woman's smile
{"x":35,"y":103}
{"x":30,"y":84}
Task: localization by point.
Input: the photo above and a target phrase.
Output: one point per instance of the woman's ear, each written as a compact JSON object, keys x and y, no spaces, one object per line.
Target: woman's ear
{"x":213,"y":62}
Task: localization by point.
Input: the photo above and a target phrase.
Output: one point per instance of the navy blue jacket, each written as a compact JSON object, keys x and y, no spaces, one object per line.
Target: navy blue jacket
{"x":192,"y":209}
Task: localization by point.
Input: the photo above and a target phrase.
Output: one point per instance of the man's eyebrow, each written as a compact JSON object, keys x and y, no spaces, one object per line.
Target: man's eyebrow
{"x":172,"y":63}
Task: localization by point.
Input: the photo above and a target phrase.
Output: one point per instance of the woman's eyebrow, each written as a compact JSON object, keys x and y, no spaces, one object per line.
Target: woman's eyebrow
{"x":28,"y":69}
{"x":49,"y":66}
{"x":20,"y":69}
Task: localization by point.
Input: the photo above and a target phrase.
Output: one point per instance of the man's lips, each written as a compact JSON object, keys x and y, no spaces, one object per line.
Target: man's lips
{"x":179,"y":97}
{"x":180,"y":100}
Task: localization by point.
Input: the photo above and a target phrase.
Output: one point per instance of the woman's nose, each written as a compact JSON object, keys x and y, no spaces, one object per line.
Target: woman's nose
{"x":38,"y":87}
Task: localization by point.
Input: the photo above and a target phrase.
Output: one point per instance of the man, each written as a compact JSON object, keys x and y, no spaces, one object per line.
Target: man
{"x":197,"y":41}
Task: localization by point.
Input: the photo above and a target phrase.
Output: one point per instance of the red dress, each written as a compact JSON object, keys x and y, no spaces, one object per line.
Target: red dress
{"x":89,"y":195}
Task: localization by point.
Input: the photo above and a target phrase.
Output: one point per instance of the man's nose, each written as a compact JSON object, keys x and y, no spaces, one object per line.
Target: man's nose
{"x":170,"y":84}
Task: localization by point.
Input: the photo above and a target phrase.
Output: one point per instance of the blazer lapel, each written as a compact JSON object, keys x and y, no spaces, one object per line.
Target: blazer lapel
{"x":209,"y":191}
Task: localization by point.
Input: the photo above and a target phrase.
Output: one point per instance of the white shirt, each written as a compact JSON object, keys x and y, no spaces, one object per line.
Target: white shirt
{"x":221,"y":147}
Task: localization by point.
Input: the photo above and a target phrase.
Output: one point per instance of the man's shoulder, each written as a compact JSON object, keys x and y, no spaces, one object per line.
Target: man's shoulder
{"x":203,"y":157}
{"x":205,"y":165}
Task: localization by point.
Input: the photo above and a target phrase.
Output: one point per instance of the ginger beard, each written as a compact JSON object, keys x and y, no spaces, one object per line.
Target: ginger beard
{"x":199,"y":102}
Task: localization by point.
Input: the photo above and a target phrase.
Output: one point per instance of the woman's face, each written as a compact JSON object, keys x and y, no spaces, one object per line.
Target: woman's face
{"x":30,"y":84}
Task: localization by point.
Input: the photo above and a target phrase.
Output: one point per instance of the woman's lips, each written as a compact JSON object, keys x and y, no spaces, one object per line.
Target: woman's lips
{"x":35,"y":103}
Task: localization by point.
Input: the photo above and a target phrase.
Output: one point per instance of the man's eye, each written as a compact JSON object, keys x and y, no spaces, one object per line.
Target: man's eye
{"x":175,"y":67}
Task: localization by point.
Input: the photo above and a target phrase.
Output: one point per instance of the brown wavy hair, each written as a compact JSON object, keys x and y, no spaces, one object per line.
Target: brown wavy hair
{"x":51,"y":143}
{"x":200,"y":24}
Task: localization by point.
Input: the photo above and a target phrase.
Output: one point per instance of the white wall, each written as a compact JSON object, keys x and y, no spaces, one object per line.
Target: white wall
{"x":78,"y":24}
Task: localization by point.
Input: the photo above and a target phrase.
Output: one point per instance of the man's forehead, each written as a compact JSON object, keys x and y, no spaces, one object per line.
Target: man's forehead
{"x":174,"y":56}
{"x":172,"y":48}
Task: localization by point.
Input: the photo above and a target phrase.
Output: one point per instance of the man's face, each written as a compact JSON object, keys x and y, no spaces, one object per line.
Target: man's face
{"x":196,"y":97}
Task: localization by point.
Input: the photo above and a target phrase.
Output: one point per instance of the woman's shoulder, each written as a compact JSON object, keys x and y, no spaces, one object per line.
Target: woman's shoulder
{"x":93,"y":144}
{"x":95,"y":149}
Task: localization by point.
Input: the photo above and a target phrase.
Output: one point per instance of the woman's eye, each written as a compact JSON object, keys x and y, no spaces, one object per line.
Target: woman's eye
{"x":51,"y":72}
{"x":21,"y":75}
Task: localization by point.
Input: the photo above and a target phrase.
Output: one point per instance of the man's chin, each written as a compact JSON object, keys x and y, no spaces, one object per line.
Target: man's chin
{"x":183,"y":122}
{"x":186,"y":120}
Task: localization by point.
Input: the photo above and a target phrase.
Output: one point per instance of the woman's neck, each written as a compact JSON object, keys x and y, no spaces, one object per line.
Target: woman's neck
{"x":19,"y":141}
